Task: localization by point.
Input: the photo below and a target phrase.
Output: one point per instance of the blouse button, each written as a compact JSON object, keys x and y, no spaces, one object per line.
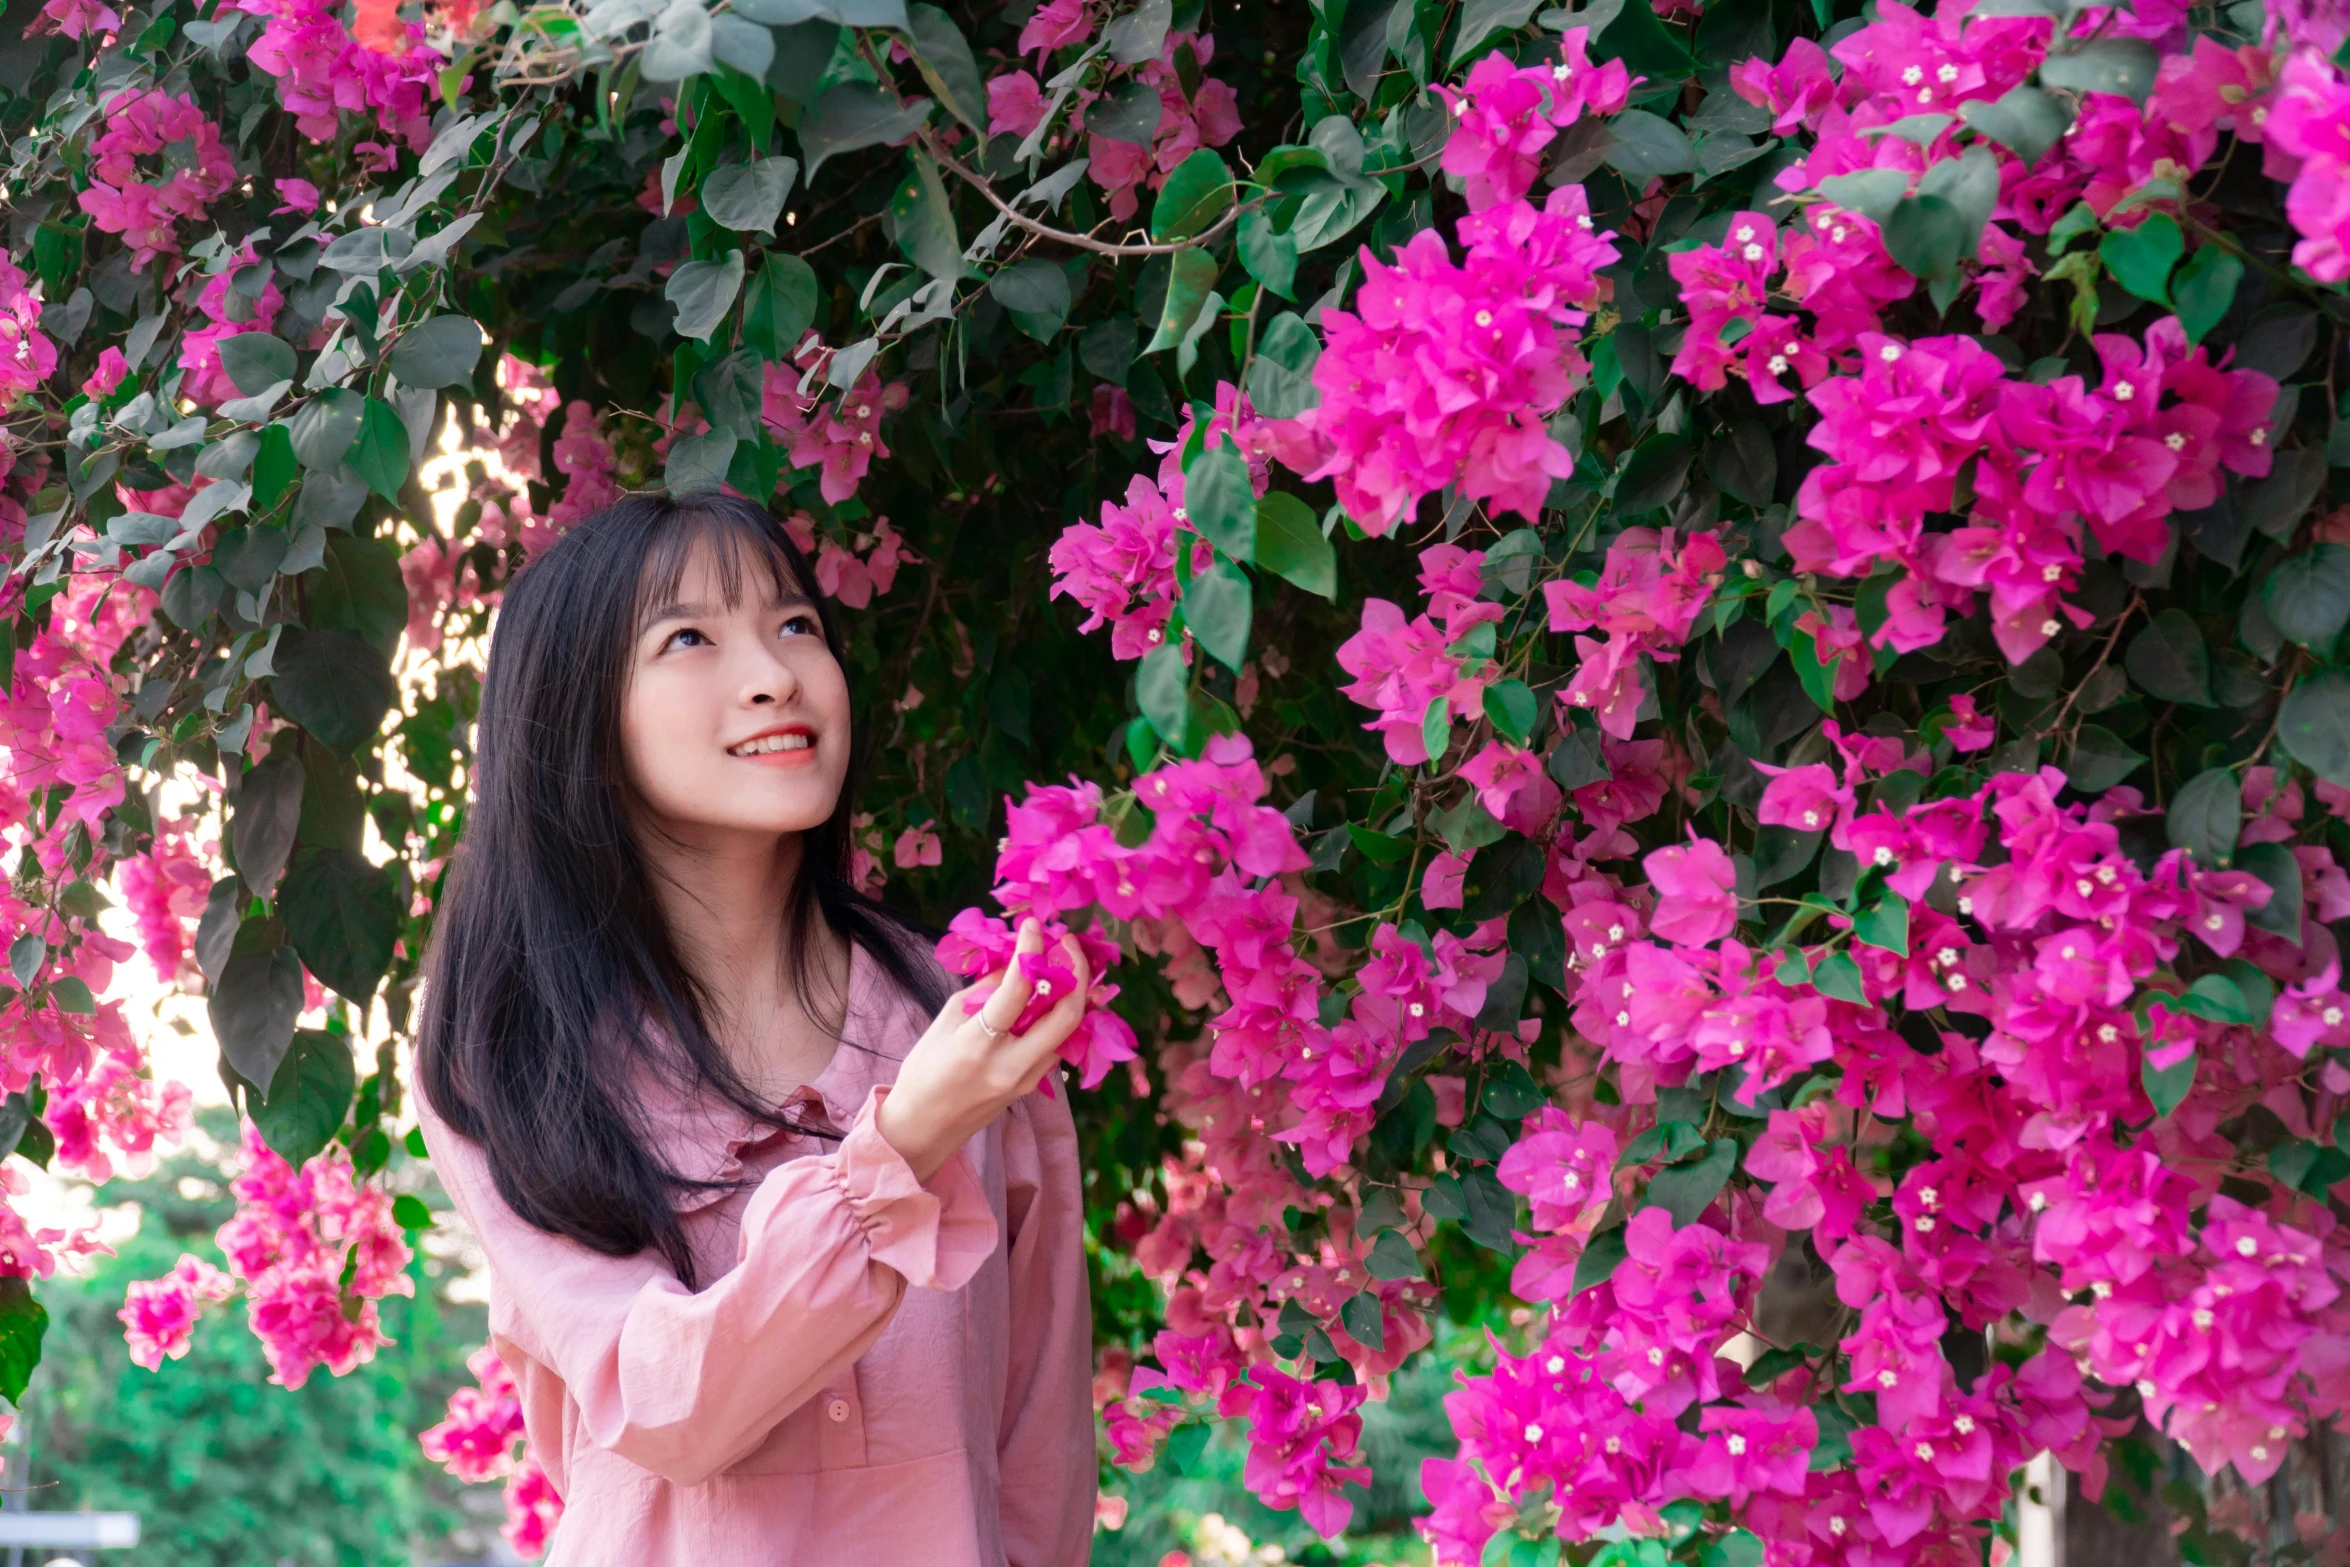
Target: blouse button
{"x":837,"y":1411}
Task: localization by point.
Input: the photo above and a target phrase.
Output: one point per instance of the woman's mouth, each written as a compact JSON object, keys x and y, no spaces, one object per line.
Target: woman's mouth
{"x":769,"y":745}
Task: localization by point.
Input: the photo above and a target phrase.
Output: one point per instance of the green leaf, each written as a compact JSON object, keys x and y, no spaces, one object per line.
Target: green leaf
{"x":324,"y":428}
{"x":2168,"y":660}
{"x":1818,"y":679}
{"x":1653,"y":474}
{"x":333,"y":685}
{"x":2141,"y":259}
{"x":274,"y":467}
{"x":2167,"y":1086}
{"x":1219,"y":501}
{"x":437,"y":353}
{"x":1141,"y":34}
{"x":943,"y":56}
{"x":2314,"y":724}
{"x":357,"y":589}
{"x":779,"y":305}
{"x":343,"y":916}
{"x":265,"y":810}
{"x":1191,"y":275}
{"x":1129,"y":111}
{"x":2110,"y":65}
{"x":698,"y":463}
{"x":1290,"y":544}
{"x":1281,"y":375}
{"x":23,"y":1321}
{"x":306,"y":1105}
{"x":2275,"y":865}
{"x":1216,"y":606}
{"x":381,"y":455}
{"x":2027,"y":121}
{"x":1392,"y":1257}
{"x":1194,"y":197}
{"x":1163,"y":686}
{"x":1927,"y":235}
{"x":2205,"y":816}
{"x":748,"y":197}
{"x":1601,"y":1256}
{"x":256,"y":361}
{"x":2219,"y":999}
{"x":1436,"y":728}
{"x":703,"y":292}
{"x":1884,"y":924}
{"x":2307,"y":596}
{"x":1685,"y":1190}
{"x":1481,"y":19}
{"x":731,"y":390}
{"x":253,"y":1007}
{"x":1361,"y":1316}
{"x":1270,"y":258}
{"x":1645,"y":147}
{"x":2100,"y":760}
{"x":2204,"y":288}
{"x":1743,"y":463}
{"x":1839,"y":976}
{"x":72,"y":994}
{"x":1511,"y":705}
{"x":854,"y":115}
{"x":1036,"y":292}
{"x":925,"y":221}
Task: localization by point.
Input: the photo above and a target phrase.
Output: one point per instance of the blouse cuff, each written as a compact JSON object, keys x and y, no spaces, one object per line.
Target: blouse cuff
{"x":937,"y":1236}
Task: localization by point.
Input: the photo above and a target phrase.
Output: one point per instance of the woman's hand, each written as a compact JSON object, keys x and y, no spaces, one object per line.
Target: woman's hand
{"x":960,"y":1075}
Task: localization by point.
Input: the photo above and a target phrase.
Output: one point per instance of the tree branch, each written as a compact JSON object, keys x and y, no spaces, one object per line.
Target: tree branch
{"x":1100,"y":247}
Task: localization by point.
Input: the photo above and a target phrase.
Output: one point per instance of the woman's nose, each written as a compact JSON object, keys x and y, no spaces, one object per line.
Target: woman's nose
{"x":769,"y":682}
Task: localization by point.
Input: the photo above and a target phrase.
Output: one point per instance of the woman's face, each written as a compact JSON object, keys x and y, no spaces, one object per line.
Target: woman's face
{"x":736,"y":720}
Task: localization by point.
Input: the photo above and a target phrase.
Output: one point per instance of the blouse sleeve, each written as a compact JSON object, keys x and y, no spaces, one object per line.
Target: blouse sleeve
{"x":1046,"y":1446}
{"x":685,"y":1383}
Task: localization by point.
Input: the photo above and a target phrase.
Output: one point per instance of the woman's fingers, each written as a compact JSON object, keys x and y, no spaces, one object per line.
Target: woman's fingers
{"x":1011,"y":993}
{"x":1047,"y":1034}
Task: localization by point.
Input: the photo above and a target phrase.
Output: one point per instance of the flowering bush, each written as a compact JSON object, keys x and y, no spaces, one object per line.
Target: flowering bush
{"x":1697,"y":721}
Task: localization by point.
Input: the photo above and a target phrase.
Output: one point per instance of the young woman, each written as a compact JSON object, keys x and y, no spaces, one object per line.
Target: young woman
{"x":784,"y":1252}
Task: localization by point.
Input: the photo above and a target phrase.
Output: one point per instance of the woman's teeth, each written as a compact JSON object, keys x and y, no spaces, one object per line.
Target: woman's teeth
{"x":762,"y":746}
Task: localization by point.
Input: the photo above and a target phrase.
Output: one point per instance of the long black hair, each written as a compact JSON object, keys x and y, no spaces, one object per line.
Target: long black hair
{"x":554,"y":988}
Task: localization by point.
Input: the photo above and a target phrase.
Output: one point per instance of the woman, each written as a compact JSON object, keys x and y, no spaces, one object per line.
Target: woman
{"x":784,"y":1253}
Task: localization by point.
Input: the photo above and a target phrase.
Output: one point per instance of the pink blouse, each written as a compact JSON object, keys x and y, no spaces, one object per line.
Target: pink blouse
{"x":873,"y":1371}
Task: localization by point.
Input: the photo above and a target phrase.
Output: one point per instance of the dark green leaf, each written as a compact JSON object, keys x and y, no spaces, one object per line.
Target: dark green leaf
{"x":1036,"y":292}
{"x":1194,"y":197}
{"x":265,"y":808}
{"x":779,"y":305}
{"x":1163,"y":686}
{"x":381,"y":454}
{"x":1361,"y":1316}
{"x":852,"y":115}
{"x":2314,"y":725}
{"x":2100,"y":760}
{"x":2027,"y":121}
{"x":1601,"y":1256}
{"x":1281,"y":375}
{"x":2110,"y":65}
{"x":1511,"y":706}
{"x":1128,"y":112}
{"x":1217,"y":608}
{"x":2168,"y":660}
{"x":324,"y":428}
{"x":1191,"y":275}
{"x":253,"y":1008}
{"x":1481,"y":19}
{"x":2167,"y":1086}
{"x":1837,"y":975}
{"x":2206,"y":815}
{"x":1743,"y":463}
{"x":748,"y":197}
{"x":1653,"y":474}
{"x":2275,"y":865}
{"x":1141,"y":34}
{"x":925,"y":221}
{"x":1926,"y":236}
{"x":1289,"y":544}
{"x":256,"y":361}
{"x":703,"y":292}
{"x":343,"y":916}
{"x":2204,"y":288}
{"x":306,"y":1105}
{"x":437,"y":353}
{"x":2307,"y":596}
{"x":944,"y":57}
{"x":1685,"y":1190}
{"x":1884,"y":924}
{"x":333,"y":685}
{"x":1645,"y":147}
{"x":1392,"y":1257}
{"x":1270,"y":258}
{"x":1219,"y":501}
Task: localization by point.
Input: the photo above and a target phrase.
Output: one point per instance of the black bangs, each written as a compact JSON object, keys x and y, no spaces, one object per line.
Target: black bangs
{"x":745,"y":546}
{"x":554,"y":991}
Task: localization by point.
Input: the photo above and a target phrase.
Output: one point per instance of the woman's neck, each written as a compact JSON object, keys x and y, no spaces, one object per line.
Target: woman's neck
{"x":728,"y":902}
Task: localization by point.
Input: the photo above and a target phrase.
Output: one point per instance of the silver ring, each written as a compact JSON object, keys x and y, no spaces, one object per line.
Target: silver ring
{"x":987,"y":1028}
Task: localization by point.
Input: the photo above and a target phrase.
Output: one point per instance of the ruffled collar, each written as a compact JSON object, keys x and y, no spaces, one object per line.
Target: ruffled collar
{"x":705,"y":1139}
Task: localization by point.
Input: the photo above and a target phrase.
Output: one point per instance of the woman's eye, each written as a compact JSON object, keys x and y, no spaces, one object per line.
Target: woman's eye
{"x":800,"y":626}
{"x":686,"y":638}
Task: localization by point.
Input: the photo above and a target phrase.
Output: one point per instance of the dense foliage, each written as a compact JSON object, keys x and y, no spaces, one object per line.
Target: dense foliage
{"x":1692,"y":647}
